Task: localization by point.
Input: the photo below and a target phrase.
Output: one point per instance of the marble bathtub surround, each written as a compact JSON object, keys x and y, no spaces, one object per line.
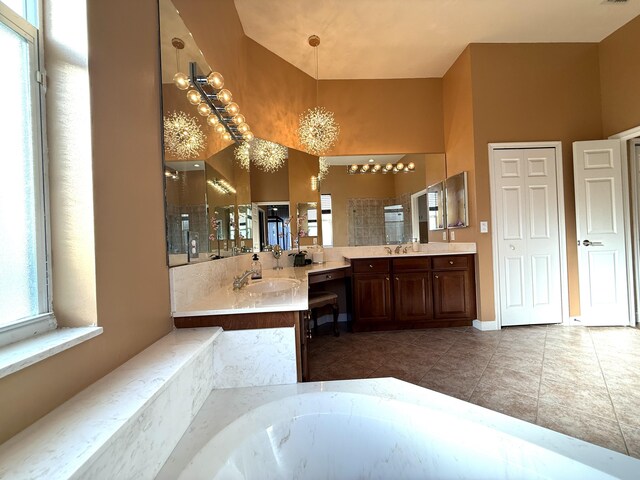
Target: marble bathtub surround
{"x":125,"y":424}
{"x":291,"y":431}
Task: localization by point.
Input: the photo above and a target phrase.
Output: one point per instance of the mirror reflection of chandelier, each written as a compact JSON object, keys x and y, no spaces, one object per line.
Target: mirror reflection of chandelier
{"x":317,"y":131}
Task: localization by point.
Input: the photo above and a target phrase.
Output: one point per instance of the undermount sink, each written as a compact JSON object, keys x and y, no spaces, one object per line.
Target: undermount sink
{"x":272,"y":286}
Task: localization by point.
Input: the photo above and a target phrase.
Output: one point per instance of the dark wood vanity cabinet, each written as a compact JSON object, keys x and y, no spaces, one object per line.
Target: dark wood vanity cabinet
{"x":372,"y":290}
{"x":413,"y":292}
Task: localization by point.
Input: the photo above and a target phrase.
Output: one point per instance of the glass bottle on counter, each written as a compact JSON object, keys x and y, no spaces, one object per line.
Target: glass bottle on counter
{"x":256,"y":266}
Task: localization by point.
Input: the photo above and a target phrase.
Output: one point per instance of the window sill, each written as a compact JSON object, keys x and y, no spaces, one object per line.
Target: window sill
{"x":19,"y":355}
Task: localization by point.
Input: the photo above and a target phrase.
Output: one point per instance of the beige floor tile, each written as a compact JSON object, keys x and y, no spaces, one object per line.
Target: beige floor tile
{"x":584,"y":397}
{"x":583,"y":425}
{"x":626,"y":401}
{"x":569,"y":373}
{"x":456,"y":383}
{"x":513,"y":380}
{"x":527,"y":363}
{"x":506,"y":401}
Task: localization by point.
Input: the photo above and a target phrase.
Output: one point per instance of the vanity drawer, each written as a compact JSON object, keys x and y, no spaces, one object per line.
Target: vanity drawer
{"x":326,"y":276}
{"x":411,"y":264}
{"x":371,"y":265}
{"x":450,"y":261}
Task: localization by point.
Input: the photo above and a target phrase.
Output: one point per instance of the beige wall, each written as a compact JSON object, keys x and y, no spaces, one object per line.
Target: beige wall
{"x":131,"y":267}
{"x":528,"y":92}
{"x":620,"y":77}
{"x":385,"y":116}
{"x":270,"y":186}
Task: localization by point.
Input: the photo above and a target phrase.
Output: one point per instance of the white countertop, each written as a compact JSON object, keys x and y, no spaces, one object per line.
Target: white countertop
{"x":228,"y":301}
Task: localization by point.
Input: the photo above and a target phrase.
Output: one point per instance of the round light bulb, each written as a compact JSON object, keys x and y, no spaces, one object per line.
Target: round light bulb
{"x":224,"y":96}
{"x":377,"y":167}
{"x":216,"y":80}
{"x":232,"y":108}
{"x":219,"y":128}
{"x":194,"y":97}
{"x":388,"y":166}
{"x":364,"y":168}
{"x":239,"y":119}
{"x":181,"y":81}
{"x":411,"y":166}
{"x":400,"y":166}
{"x":212,"y":120}
{"x":354,"y":167}
{"x":243,"y":128}
{"x":204,"y":109}
{"x":226,"y":136}
{"x":248,"y":136}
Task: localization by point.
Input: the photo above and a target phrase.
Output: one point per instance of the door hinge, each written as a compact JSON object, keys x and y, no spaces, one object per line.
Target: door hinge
{"x":41,"y":77}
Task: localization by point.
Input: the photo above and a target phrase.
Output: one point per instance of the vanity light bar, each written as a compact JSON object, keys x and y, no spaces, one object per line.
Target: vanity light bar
{"x":222,"y":186}
{"x":377,"y":168}
{"x":200,"y":82}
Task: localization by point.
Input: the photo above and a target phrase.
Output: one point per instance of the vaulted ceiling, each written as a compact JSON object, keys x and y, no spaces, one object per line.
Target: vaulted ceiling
{"x":417,"y":38}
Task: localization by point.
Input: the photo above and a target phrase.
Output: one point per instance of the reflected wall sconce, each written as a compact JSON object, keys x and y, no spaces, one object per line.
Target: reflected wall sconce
{"x":222,"y":186}
{"x":383,"y":169}
{"x":314,"y":183}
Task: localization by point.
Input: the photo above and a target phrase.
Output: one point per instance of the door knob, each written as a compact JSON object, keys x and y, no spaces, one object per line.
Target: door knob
{"x":588,"y":243}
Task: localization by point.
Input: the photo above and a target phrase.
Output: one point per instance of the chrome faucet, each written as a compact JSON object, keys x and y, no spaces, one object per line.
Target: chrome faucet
{"x":241,"y":281}
{"x":388,"y":250}
{"x":398,"y":249}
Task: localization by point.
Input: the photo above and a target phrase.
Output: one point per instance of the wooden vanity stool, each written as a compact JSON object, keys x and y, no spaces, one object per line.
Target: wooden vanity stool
{"x":320,"y":300}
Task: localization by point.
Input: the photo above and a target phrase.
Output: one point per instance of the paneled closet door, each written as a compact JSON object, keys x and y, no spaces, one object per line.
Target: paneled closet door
{"x":528,"y":236}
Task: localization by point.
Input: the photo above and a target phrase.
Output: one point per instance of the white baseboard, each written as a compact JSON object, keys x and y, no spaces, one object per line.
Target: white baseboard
{"x":485,"y":326}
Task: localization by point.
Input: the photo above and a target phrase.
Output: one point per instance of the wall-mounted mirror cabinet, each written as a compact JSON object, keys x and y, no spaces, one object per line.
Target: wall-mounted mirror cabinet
{"x":456,"y":187}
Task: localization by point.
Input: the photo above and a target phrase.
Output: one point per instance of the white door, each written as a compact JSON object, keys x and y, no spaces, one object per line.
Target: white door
{"x":600,"y":228}
{"x":527,"y":230}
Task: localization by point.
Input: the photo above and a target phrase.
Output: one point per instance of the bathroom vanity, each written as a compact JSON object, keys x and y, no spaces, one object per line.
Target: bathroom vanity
{"x":416,"y":291}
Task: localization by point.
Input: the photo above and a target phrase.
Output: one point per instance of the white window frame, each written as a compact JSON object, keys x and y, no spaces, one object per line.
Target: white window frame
{"x":28,"y":327}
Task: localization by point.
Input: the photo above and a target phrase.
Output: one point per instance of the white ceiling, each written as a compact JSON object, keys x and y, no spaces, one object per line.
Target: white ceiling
{"x":417,"y":38}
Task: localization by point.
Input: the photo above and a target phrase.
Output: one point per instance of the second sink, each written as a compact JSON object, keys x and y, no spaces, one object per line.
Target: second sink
{"x":272,"y":286}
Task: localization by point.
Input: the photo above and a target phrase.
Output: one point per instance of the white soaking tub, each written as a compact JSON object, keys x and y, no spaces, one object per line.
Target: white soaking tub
{"x":378,"y":428}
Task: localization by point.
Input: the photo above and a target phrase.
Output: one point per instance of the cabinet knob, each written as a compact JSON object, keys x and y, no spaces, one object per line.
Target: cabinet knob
{"x":397,"y":279}
{"x":328,"y":276}
{"x":387,"y":279}
{"x":450,"y":262}
{"x":370,"y":266}
{"x":437,"y":276}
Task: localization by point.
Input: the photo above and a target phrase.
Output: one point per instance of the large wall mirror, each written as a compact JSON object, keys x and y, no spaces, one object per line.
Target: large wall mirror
{"x":378,"y":199}
{"x":217,"y":206}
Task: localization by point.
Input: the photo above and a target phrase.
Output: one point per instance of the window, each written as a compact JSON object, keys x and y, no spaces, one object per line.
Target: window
{"x":327,"y":220}
{"x":24,"y":277}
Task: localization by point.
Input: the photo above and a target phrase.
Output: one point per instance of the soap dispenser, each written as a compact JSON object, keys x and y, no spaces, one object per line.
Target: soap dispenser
{"x":256,"y":266}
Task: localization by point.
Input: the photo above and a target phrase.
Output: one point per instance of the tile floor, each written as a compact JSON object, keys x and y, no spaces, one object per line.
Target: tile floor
{"x":584,"y":382}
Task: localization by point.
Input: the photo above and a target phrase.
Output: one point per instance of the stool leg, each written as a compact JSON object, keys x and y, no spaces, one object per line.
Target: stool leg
{"x":336,"y":312}
{"x":314,"y":317}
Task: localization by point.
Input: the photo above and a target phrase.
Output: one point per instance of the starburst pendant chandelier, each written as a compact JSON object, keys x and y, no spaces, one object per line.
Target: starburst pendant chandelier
{"x":242,"y":154}
{"x":183,"y":137}
{"x":318,"y":131}
{"x":266,"y":155}
{"x":323,"y":168}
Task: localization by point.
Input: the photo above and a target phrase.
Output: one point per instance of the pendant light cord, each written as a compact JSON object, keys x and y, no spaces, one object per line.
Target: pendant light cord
{"x":317,"y":74}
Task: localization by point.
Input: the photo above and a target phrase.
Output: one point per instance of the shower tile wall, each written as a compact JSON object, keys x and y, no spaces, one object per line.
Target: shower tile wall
{"x":197,"y":224}
{"x":366,"y":219}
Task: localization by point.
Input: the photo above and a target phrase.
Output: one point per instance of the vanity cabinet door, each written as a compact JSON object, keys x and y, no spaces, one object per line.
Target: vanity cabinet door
{"x":412,"y":297}
{"x":453,"y":294}
{"x":372,"y":299}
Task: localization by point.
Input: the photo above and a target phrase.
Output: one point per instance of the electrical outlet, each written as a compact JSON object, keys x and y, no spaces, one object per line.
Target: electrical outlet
{"x":444,"y":235}
{"x":452,"y":235}
{"x":484,"y":227}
